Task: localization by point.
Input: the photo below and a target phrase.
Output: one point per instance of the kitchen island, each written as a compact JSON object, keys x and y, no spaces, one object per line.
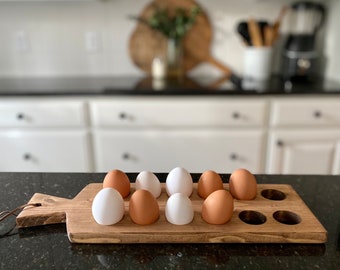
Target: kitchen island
{"x":48,"y":247}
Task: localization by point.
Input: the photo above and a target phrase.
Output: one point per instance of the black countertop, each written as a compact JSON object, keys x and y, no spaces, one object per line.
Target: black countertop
{"x":48,"y":247}
{"x":46,"y":86}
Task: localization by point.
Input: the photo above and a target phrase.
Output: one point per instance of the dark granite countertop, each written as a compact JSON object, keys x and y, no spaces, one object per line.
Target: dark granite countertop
{"x":47,"y":86}
{"x":48,"y":247}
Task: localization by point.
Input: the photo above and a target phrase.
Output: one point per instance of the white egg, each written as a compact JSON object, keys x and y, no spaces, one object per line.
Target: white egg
{"x":179,"y":180}
{"x":108,"y":206}
{"x":178,"y":209}
{"x":149,"y":181}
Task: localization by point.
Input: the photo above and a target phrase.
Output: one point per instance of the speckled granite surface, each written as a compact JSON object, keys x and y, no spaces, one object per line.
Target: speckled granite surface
{"x":48,"y":247}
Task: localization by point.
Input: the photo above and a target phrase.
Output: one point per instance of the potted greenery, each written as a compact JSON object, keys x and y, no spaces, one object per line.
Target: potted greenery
{"x":173,"y":25}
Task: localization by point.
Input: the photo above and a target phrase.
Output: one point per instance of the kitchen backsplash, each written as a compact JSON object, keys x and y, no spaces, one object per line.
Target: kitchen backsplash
{"x":66,"y":38}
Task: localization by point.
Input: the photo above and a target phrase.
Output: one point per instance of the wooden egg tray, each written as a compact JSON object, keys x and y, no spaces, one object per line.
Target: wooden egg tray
{"x":276,"y":215}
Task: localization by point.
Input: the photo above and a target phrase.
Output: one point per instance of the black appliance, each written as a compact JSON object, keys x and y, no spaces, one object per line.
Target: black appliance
{"x":301,"y":58}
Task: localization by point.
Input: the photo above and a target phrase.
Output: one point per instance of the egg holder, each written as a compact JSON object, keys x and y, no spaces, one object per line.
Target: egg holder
{"x":276,"y":215}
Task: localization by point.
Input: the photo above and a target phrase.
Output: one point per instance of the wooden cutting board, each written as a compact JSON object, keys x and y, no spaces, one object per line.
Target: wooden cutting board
{"x":285,"y":219}
{"x":145,"y":44}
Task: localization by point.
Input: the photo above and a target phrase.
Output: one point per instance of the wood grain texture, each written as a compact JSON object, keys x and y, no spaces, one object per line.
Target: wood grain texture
{"x":145,"y":44}
{"x":255,"y":33}
{"x":268,"y":36}
{"x":81,"y":227}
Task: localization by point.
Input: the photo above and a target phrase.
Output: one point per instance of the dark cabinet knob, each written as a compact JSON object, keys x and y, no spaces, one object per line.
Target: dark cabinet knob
{"x":233,"y":156}
{"x":317,"y":114}
{"x":20,"y":116}
{"x":236,"y":115}
{"x":279,"y":143}
{"x":122,"y":115}
{"x":27,"y":156}
{"x":126,"y":156}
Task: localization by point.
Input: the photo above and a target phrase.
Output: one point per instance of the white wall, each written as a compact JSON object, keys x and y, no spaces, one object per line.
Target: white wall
{"x":47,"y":38}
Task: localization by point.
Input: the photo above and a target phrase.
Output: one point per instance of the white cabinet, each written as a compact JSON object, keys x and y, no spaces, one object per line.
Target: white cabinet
{"x":295,"y":134}
{"x":178,"y":112}
{"x":305,"y":112}
{"x":304,"y":136}
{"x":42,"y":112}
{"x":44,"y":151}
{"x":304,"y":152}
{"x":162,"y":150}
{"x":44,"y":134}
{"x":198,"y":133}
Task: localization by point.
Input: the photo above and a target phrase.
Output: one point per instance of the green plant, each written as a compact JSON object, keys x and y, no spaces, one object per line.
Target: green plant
{"x":172,"y":25}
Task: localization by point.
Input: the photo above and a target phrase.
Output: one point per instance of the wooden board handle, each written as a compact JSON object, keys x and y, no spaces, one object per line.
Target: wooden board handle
{"x":52,"y":211}
{"x":219,"y":65}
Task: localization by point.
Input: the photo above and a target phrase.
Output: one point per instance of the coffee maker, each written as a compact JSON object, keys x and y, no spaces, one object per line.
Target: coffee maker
{"x":301,"y":57}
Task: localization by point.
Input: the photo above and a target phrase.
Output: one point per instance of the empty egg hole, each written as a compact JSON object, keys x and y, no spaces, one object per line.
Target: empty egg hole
{"x":287,"y":217}
{"x":252,"y":217}
{"x":273,"y":194}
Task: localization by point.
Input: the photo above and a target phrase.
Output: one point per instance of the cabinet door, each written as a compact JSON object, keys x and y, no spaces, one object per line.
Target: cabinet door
{"x":53,"y":151}
{"x":304,"y":152}
{"x":162,"y":150}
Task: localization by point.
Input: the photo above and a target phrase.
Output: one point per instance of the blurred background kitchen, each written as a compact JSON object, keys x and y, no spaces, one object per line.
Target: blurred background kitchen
{"x":65,"y":38}
{"x":74,"y":98}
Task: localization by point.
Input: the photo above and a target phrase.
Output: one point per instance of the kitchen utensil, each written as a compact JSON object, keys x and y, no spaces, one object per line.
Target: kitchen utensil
{"x":255,"y":33}
{"x":276,"y":215}
{"x":259,"y":26}
{"x":262,"y":25}
{"x":269,"y":35}
{"x":242,"y":29}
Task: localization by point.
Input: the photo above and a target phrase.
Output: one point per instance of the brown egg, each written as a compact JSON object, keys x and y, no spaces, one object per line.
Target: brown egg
{"x":218,"y":207}
{"x":143,"y":207}
{"x":209,"y":182}
{"x":118,"y":180}
{"x":242,"y":185}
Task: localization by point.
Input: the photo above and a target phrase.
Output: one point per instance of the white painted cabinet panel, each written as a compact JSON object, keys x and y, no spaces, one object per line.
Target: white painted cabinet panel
{"x":162,"y":150}
{"x":44,"y":134}
{"x":304,"y":112}
{"x":304,"y":152}
{"x":198,"y":133}
{"x":52,"y":151}
{"x":304,"y":135}
{"x":178,"y":111}
{"x":284,"y":135}
{"x":42,"y":112}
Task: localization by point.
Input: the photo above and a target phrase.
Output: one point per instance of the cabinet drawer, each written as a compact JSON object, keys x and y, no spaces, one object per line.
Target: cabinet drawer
{"x":183,"y":111}
{"x":161,"y":151}
{"x":59,"y":151}
{"x":42,"y":113}
{"x":306,"y":112}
